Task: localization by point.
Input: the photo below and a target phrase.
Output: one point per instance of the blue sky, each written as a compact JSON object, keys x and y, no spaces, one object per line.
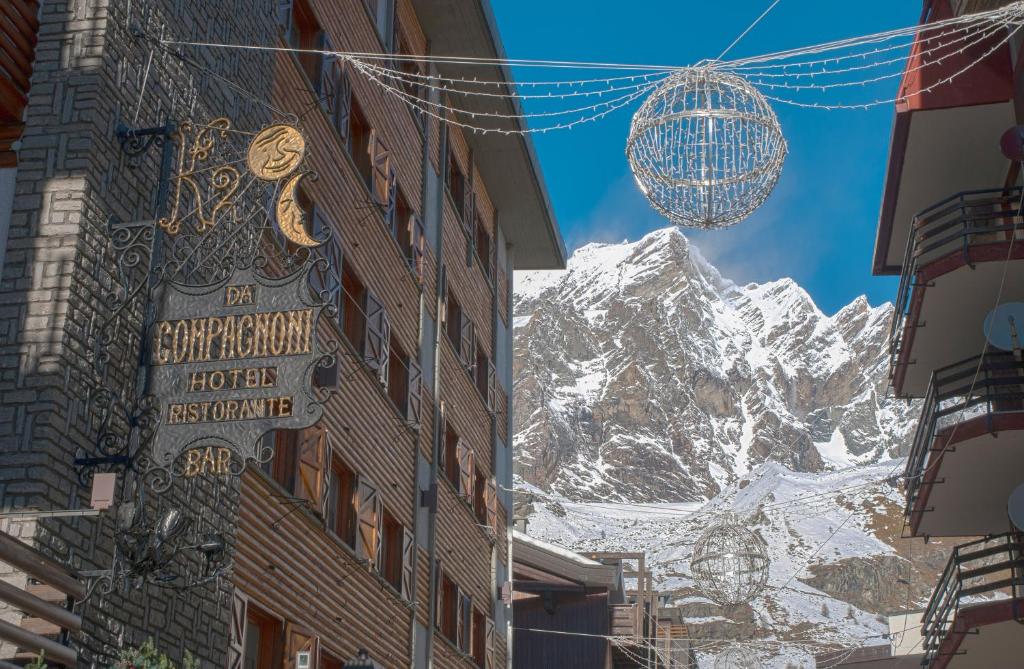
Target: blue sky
{"x":818,"y":227}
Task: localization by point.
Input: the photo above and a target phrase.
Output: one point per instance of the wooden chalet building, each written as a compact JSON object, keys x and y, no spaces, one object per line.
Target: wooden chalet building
{"x":574,"y":610}
{"x":401,"y":542}
{"x":385,"y":527}
{"x":951,"y":228}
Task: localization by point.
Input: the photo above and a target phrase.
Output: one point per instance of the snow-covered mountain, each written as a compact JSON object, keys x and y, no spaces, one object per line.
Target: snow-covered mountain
{"x":651,"y":393}
{"x":641,"y":374}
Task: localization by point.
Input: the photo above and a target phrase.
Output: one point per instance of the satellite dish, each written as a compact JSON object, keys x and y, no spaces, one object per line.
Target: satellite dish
{"x":1015,"y":507}
{"x":1004,"y":326}
{"x":1012,"y":143}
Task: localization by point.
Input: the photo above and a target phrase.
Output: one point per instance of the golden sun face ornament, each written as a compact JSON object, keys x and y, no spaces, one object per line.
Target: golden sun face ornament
{"x":276,"y":152}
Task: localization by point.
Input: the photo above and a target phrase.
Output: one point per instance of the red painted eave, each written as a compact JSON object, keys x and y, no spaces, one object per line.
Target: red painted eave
{"x":989,"y":81}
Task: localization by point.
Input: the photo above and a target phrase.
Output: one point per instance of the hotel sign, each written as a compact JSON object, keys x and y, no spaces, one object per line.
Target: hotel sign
{"x":228,"y":363}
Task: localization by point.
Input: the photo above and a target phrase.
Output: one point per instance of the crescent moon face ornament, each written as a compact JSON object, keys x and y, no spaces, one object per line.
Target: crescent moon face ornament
{"x":276,"y":152}
{"x":290,"y":218}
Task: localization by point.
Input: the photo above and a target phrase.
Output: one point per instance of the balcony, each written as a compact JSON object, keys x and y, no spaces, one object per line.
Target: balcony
{"x":981,"y":587}
{"x":953,"y":268}
{"x":945,"y":137}
{"x":968,"y":451}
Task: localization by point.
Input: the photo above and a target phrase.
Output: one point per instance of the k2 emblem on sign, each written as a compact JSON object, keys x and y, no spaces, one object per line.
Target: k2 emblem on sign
{"x":230,"y":362}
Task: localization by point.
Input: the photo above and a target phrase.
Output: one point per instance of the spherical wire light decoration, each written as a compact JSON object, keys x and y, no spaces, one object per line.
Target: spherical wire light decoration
{"x":729,"y":562}
{"x":706,"y":148}
{"x":736,"y":657}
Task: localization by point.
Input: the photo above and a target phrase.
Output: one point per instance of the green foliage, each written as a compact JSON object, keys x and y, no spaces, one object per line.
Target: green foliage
{"x":145,"y":656}
{"x":39,"y":662}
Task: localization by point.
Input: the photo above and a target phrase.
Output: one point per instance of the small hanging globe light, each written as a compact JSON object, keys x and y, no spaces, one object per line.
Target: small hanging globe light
{"x":729,"y":562}
{"x":736,"y":657}
{"x":706,"y":148}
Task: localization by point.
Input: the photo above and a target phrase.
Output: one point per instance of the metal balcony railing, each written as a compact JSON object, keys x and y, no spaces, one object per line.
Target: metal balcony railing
{"x":958,"y":223}
{"x":992,"y":567}
{"x":984,"y":385}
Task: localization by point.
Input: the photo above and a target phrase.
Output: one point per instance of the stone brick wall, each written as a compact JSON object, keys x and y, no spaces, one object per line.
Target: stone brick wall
{"x":93,"y":72}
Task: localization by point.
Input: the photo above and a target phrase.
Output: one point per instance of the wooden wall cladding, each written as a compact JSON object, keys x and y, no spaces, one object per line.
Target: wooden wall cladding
{"x":314,"y":582}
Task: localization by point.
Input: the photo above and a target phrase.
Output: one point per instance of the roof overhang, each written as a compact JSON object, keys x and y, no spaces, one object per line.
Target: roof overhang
{"x":945,"y":137}
{"x":560,"y":562}
{"x":507,"y":163}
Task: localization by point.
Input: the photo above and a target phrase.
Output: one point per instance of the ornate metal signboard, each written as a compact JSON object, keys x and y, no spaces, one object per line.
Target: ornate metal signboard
{"x":206,"y":341}
{"x":229,"y":362}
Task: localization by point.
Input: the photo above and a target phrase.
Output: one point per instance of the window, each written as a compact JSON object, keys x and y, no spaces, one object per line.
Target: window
{"x":483,"y":247}
{"x":380,"y":11}
{"x":455,"y":179}
{"x":282,"y":467}
{"x":398,"y":377}
{"x":453,"y":321}
{"x":413,"y":84}
{"x":450,"y":457}
{"x":305,"y":33}
{"x":353,"y":320}
{"x":400,"y":225}
{"x":359,"y":142}
{"x":479,"y":637}
{"x":448,"y":619}
{"x":262,"y":640}
{"x":391,"y":551}
{"x":341,"y":511}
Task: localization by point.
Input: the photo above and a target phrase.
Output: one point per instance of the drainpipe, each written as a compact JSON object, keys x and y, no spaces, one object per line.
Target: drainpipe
{"x":438,"y":437}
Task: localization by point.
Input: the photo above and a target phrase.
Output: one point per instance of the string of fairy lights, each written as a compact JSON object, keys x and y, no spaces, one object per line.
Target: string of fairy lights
{"x":671,"y":139}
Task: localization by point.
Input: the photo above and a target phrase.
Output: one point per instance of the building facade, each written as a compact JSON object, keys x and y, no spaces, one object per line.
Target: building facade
{"x":384,"y":526}
{"x":951,"y":229}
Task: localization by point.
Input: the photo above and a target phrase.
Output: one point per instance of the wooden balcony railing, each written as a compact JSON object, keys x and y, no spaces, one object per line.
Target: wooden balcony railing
{"x":984,"y":385}
{"x":18,"y":27}
{"x":51,"y":615}
{"x":959,"y":223}
{"x":992,"y":567}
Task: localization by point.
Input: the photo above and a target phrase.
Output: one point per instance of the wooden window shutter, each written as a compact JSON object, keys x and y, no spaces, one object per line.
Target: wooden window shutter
{"x":284,"y":17}
{"x":465,"y":457}
{"x":312,"y":464}
{"x":489,"y":644}
{"x":417,"y":246}
{"x":462,"y":629}
{"x":368,"y":520}
{"x":491,"y":502}
{"x":442,"y":426}
{"x":342,"y":100}
{"x":469,"y":210}
{"x":466,"y":346}
{"x":439,"y":597}
{"x":382,"y":172}
{"x":236,"y":638}
{"x":408,"y":563}
{"x":326,"y":79}
{"x":414,"y":403}
{"x":468,"y":227}
{"x":377,"y":338}
{"x":492,"y":387}
{"x":300,"y":642}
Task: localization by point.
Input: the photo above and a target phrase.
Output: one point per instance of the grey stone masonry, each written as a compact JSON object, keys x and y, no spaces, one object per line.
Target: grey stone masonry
{"x":98,"y":65}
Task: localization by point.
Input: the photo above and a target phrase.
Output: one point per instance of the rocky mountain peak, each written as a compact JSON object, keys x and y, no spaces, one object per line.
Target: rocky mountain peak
{"x":643,"y":374}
